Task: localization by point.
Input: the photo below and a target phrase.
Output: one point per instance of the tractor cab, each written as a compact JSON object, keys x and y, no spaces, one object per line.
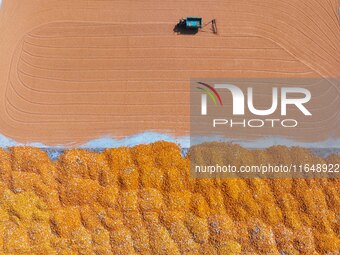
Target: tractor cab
{"x":193,"y":22}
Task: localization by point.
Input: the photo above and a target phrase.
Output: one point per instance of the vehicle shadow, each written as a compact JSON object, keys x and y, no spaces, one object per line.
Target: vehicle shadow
{"x":180,"y":28}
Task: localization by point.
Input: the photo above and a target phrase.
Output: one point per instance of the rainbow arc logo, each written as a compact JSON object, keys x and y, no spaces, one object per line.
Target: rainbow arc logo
{"x":211,"y":92}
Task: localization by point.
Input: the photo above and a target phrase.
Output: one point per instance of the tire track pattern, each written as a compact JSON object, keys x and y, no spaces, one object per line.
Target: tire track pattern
{"x":131,"y":72}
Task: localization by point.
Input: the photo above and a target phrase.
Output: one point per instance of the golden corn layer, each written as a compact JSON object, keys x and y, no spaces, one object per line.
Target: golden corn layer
{"x":141,"y":200}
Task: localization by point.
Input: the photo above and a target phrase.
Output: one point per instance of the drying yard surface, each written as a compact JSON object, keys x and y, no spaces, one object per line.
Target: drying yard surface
{"x":118,"y":68}
{"x":141,"y":200}
{"x":73,"y":70}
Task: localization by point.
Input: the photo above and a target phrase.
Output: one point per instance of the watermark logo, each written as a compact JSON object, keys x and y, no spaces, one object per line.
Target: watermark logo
{"x":213,"y":94}
{"x":239,"y":98}
{"x":260,"y":113}
{"x":247,"y":104}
